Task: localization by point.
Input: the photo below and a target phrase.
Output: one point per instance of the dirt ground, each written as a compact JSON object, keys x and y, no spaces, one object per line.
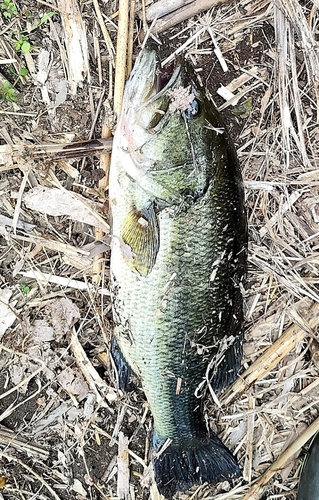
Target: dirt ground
{"x":63,"y":421}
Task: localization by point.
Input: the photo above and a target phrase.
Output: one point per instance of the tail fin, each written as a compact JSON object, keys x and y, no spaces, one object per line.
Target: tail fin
{"x":207,"y":460}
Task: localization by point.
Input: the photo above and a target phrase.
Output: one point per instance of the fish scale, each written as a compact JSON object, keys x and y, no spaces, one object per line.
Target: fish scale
{"x":178,"y":257}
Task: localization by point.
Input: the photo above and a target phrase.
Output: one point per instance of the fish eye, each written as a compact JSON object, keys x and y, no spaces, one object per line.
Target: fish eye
{"x":193,"y":110}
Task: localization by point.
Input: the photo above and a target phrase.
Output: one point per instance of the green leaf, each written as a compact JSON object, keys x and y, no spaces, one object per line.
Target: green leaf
{"x":23,"y":72}
{"x":46,"y":17}
{"x":9,"y":9}
{"x":25,"y":47}
{"x":43,"y":19}
{"x":244,"y":109}
{"x":7,"y":92}
{"x":24,"y":288}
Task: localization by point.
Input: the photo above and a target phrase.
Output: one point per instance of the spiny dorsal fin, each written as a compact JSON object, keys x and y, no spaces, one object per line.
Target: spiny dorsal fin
{"x":141,"y":233}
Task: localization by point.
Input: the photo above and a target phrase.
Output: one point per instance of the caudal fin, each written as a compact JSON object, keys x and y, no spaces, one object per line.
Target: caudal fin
{"x":178,"y":468}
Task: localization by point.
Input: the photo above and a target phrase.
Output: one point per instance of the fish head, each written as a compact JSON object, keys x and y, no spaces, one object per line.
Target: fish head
{"x":153,"y":93}
{"x":163,"y":129}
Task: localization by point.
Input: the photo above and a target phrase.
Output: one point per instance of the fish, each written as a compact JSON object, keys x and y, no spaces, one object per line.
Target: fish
{"x":177,"y":265}
{"x":309,"y":480}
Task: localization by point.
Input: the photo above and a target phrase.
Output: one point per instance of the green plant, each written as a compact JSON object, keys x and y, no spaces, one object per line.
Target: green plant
{"x":9,"y":9}
{"x":46,"y":17}
{"x":23,"y":72}
{"x":244,"y":109}
{"x":7,"y":92}
{"x":24,"y":288}
{"x":15,"y":75}
{"x":22,"y":43}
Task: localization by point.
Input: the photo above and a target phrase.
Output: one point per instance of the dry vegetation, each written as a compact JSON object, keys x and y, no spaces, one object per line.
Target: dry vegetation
{"x":66,"y":431}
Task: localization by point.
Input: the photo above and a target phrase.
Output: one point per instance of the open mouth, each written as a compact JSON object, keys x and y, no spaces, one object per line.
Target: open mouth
{"x":163,"y":76}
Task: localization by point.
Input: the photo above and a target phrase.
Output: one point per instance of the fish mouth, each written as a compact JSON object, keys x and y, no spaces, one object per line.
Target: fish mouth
{"x":164,"y":80}
{"x":149,"y":80}
{"x":163,"y":76}
{"x":154,"y":94}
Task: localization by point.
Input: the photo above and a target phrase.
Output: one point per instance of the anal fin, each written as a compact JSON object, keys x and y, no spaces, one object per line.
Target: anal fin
{"x":228,"y":366}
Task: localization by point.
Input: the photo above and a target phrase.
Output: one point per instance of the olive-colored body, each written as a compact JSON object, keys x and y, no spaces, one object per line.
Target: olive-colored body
{"x":178,"y":258}
{"x":309,"y":480}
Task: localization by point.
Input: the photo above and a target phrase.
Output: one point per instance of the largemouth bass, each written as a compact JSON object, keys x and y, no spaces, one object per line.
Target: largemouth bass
{"x":178,"y":258}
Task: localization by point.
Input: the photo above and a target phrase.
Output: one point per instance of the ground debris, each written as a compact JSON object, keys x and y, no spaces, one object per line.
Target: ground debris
{"x":67,"y":431}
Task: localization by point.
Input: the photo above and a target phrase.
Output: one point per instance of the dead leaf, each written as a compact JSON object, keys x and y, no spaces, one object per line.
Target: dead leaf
{"x":89,"y":405}
{"x":20,"y":369}
{"x":7,"y":316}
{"x":56,"y":202}
{"x":63,"y":313}
{"x":43,"y":66}
{"x":41,"y":330}
{"x":73,"y":382}
{"x":78,"y":488}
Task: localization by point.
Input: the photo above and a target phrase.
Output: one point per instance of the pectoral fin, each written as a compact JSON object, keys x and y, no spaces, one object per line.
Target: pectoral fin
{"x":140,"y":237}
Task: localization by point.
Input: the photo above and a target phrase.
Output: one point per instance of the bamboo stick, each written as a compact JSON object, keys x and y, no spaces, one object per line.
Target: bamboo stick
{"x":10,"y":438}
{"x":121,"y":55}
{"x":77,"y":62}
{"x":274,"y":354}
{"x":11,"y":155}
{"x":130,"y":38}
{"x":106,"y":35}
{"x":182,"y":14}
{"x":256,"y":490}
{"x":98,"y":261}
{"x":164,"y":7}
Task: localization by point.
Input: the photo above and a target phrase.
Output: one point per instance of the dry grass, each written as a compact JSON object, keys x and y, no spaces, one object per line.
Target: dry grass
{"x":58,"y":386}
